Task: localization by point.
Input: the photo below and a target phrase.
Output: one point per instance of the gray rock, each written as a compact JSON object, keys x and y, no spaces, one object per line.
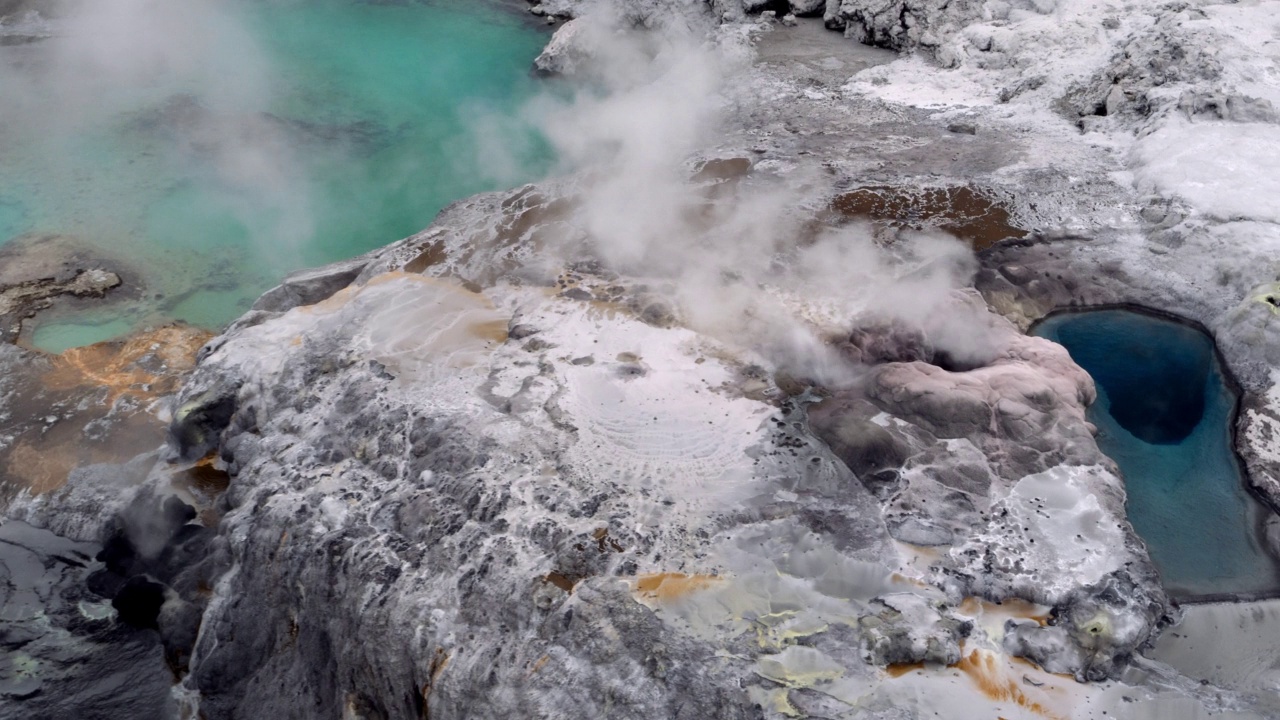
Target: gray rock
{"x":66,"y":654}
{"x":568,"y":51}
{"x":843,"y":422}
{"x":1095,"y":629}
{"x":902,"y":24}
{"x":909,"y":630}
{"x":1232,"y":108}
{"x":307,"y":287}
{"x":808,"y":8}
{"x":1171,"y":51}
{"x":198,"y":422}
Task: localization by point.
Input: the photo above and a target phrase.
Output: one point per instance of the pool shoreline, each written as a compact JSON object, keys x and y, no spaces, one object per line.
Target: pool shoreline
{"x":1236,"y":389}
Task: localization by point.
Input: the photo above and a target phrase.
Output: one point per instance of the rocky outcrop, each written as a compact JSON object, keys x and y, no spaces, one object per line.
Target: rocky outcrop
{"x":565,"y":52}
{"x":38,"y":270}
{"x":901,"y":24}
{"x":158,"y":567}
{"x":956,"y":454}
{"x":517,"y":493}
{"x":1168,"y":56}
{"x":1094,"y":630}
{"x":460,"y":579}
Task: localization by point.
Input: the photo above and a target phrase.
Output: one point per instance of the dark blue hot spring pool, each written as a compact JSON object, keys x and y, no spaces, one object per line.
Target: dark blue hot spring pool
{"x":1164,"y":414}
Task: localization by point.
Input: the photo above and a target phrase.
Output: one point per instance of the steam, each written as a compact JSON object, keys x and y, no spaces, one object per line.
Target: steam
{"x":190,"y":71}
{"x":747,"y":262}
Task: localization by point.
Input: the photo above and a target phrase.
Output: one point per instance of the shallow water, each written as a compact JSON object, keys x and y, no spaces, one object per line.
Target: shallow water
{"x":222,"y":145}
{"x":60,"y":336}
{"x":1164,"y":414}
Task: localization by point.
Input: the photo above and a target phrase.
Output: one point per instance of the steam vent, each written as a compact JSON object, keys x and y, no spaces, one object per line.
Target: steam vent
{"x":639,"y":360}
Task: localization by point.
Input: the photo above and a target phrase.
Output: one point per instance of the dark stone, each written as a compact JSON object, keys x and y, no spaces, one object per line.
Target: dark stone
{"x":196,"y":427}
{"x":104,"y":583}
{"x":1081,"y":641}
{"x":138,"y":602}
{"x":865,"y":447}
{"x":521,"y":331}
{"x":657,"y":314}
{"x":309,"y":287}
{"x":878,"y":342}
{"x":577,"y":294}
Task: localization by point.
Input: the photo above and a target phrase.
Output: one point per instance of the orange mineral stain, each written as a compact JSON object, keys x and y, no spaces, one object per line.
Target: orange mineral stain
{"x":900,"y":669}
{"x":671,"y":586}
{"x":1009,"y":607}
{"x":110,"y":386}
{"x":981,"y":667}
{"x":115,"y":365}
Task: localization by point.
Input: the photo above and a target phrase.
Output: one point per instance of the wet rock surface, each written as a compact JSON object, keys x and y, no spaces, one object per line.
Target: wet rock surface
{"x":66,"y":651}
{"x":89,"y":405}
{"x":39,"y":270}
{"x":159,"y":566}
{"x":962,"y":211}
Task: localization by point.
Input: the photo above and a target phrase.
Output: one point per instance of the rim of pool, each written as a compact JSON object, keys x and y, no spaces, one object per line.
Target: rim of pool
{"x":1236,"y":392}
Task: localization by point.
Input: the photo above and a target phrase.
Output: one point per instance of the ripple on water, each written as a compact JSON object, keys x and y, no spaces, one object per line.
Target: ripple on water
{"x":1164,"y":414}
{"x":13,"y":219}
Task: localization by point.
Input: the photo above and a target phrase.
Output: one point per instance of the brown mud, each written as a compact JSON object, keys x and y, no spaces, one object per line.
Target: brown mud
{"x":95,"y":404}
{"x":973,"y":215}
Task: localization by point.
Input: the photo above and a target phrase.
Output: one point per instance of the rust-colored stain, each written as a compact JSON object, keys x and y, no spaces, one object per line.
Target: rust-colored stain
{"x":439,"y":662}
{"x":972,"y":215}
{"x":982,"y":669}
{"x":604,"y":543}
{"x":539,"y":664}
{"x":205,"y":482}
{"x":493,"y":331}
{"x":562,"y":581}
{"x":429,"y":255}
{"x":671,"y":586}
{"x":205,"y":477}
{"x":131,"y":366}
{"x":111,"y":387}
{"x":1014,"y":607}
{"x":900,"y":669}
{"x":900,"y":579}
{"x":39,"y":469}
{"x":527,"y":222}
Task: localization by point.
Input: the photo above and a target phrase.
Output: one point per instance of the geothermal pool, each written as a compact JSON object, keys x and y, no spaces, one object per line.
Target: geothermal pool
{"x":1164,"y":414}
{"x":210,"y":147}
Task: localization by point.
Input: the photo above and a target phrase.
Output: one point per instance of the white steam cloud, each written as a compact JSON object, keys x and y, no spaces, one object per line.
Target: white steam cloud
{"x":747,"y":262}
{"x":191,"y":71}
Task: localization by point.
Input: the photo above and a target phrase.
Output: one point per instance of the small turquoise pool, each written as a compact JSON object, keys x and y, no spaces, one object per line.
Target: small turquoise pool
{"x":1164,"y":414}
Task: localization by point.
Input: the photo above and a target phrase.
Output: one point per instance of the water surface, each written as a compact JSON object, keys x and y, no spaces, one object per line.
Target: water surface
{"x":216,"y":146}
{"x":1164,"y":414}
